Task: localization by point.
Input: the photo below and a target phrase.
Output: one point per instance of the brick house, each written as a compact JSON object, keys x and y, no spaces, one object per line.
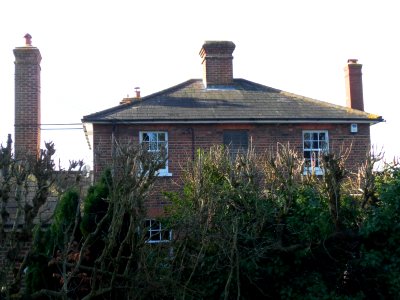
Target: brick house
{"x":220,"y":109}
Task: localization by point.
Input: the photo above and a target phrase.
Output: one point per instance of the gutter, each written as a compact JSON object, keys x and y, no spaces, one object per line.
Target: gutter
{"x":235,"y":121}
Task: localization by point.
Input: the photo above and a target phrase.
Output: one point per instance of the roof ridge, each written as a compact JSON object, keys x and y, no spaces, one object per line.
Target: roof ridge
{"x":170,"y":89}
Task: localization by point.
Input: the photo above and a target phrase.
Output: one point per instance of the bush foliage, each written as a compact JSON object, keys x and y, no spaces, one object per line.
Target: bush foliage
{"x":248,"y":227}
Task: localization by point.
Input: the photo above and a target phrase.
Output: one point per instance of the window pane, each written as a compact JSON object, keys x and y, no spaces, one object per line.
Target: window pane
{"x":315,"y":144}
{"x":153,"y":146}
{"x":155,"y":225}
{"x":315,"y":136}
{"x":161,"y":136}
{"x":145,"y":137}
{"x":307,"y":154}
{"x":165,"y":235}
{"x":162,"y":146}
{"x":145,"y":145}
{"x":315,"y":158}
{"x":306,"y":135}
{"x":322,"y":136}
{"x":155,"y":236}
{"x":152,"y":136}
{"x":307,"y":145}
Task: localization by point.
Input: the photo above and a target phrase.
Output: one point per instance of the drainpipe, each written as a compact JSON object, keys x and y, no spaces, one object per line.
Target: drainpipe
{"x":193,"y":146}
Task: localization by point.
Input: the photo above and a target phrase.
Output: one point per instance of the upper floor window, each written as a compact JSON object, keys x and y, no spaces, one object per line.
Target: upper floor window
{"x":156,"y":142}
{"x":315,"y":143}
{"x":237,"y":141}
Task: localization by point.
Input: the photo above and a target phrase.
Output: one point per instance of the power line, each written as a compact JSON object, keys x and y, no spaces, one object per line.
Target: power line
{"x":59,"y":124}
{"x":52,"y":124}
{"x":61,"y":128}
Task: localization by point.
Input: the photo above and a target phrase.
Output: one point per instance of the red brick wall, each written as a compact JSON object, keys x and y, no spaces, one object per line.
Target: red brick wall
{"x":218,"y":71}
{"x":27,"y":101}
{"x":183,"y":140}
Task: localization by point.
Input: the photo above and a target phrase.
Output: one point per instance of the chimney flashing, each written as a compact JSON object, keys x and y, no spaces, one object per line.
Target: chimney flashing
{"x":126,"y":100}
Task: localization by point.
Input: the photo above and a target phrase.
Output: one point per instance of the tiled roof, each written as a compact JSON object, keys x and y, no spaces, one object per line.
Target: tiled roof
{"x":242,"y":102}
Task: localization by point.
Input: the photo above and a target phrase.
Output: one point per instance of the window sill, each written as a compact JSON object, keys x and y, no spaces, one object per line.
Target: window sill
{"x":164,"y":174}
{"x":316,"y":171}
{"x":158,"y":242}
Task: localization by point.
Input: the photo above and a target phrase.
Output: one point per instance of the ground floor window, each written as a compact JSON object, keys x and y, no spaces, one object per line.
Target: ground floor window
{"x":315,"y":143}
{"x":155,"y":233}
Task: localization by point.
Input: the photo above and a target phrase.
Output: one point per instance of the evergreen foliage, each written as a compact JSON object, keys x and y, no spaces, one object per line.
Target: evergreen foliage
{"x":95,"y":204}
{"x":380,"y":253}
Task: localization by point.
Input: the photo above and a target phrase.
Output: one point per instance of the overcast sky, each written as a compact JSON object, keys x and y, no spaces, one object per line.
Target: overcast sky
{"x":94,"y":53}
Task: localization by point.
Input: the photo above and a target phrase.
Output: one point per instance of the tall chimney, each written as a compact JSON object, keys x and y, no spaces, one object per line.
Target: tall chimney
{"x":217,"y":63}
{"x":354,"y":88}
{"x":27,"y":99}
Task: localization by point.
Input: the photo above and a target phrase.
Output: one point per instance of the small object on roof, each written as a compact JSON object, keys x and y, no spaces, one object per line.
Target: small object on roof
{"x":28,"y":39}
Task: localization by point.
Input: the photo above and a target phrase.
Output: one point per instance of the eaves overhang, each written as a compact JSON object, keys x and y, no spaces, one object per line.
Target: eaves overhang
{"x":236,"y":121}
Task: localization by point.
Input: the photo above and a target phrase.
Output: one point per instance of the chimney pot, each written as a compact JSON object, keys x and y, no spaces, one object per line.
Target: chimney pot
{"x":137,"y":90}
{"x":352,"y":60}
{"x":28,"y":39}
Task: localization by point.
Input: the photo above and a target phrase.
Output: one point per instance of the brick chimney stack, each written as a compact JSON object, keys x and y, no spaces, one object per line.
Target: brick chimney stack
{"x":217,"y":63}
{"x":27,"y":99}
{"x":354,"y":88}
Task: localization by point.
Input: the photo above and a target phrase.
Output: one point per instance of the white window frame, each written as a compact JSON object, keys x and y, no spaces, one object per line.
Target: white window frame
{"x":156,"y":234}
{"x":315,"y":167}
{"x":164,"y":171}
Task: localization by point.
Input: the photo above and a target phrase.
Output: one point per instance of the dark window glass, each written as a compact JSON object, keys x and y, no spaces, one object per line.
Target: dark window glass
{"x":236,"y":140}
